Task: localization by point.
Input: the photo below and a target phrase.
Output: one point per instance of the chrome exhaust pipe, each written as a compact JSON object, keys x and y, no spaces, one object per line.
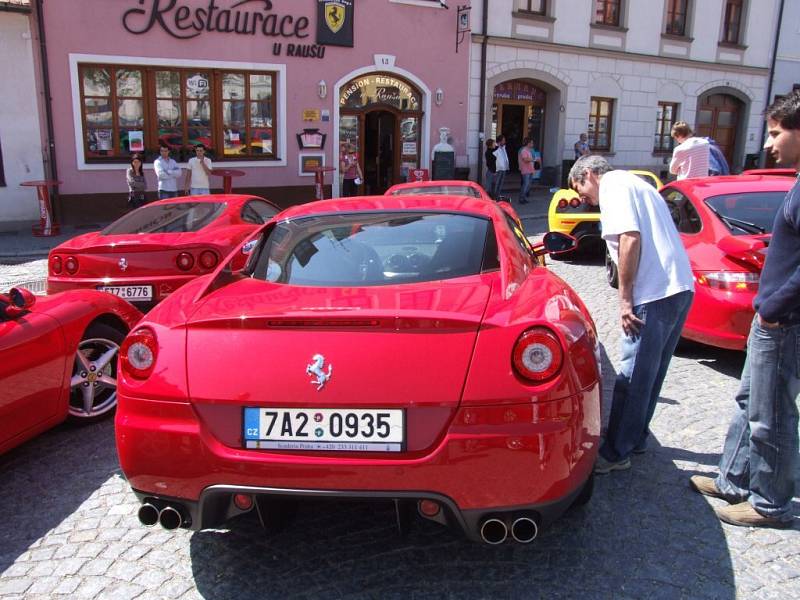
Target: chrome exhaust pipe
{"x":494,"y":531}
{"x":524,"y":530}
{"x":170,"y":518}
{"x":148,"y":514}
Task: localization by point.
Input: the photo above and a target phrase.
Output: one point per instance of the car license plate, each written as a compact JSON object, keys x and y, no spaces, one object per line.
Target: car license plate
{"x":349,"y":430}
{"x":129,"y":292}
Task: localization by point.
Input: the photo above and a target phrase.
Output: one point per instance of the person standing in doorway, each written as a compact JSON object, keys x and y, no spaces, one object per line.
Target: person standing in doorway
{"x":198,"y":172}
{"x":167,"y":172}
{"x":526,"y":169}
{"x":491,"y":167}
{"x":690,"y":158}
{"x":656,"y":287}
{"x":501,"y":165}
{"x":759,"y":457}
{"x":137,"y":185}
{"x":582,"y":146}
{"x":351,"y":172}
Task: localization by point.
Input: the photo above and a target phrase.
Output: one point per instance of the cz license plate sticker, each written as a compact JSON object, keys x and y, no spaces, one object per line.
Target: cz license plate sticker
{"x":355,"y":430}
{"x":129,"y":292}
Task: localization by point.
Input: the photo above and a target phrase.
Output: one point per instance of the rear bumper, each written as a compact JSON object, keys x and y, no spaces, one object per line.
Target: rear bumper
{"x":720,"y":318}
{"x":487,"y":462}
{"x":163,"y":286}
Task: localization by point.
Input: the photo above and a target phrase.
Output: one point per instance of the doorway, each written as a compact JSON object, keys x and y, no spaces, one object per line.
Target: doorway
{"x":379,"y":151}
{"x":513,"y":127}
{"x":718,"y":117}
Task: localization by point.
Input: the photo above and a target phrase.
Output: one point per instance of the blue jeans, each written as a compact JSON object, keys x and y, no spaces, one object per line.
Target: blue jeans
{"x":760,"y":453}
{"x":645,"y":359}
{"x":199,"y":191}
{"x":527,"y":180}
{"x":489,"y":185}
{"x":499,"y":177}
{"x":165,"y":194}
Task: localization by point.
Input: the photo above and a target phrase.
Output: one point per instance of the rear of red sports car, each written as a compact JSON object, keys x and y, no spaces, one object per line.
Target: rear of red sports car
{"x":406,"y":349}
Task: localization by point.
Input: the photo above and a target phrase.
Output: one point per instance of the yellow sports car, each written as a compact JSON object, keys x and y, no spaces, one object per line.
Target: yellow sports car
{"x":569,"y":214}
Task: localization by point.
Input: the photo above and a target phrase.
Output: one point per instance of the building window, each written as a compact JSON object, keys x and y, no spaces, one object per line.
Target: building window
{"x":677,"y":11}
{"x":731,"y":27}
{"x":665,"y":119}
{"x":607,"y":12}
{"x":534,"y":7}
{"x":137,"y":109}
{"x":599,"y":130}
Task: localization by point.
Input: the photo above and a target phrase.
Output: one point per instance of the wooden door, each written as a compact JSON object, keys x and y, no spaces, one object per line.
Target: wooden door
{"x":718,"y":118}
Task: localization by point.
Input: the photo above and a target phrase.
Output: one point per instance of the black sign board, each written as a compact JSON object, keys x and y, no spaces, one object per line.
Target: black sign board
{"x":444,"y":165}
{"x":335,"y":22}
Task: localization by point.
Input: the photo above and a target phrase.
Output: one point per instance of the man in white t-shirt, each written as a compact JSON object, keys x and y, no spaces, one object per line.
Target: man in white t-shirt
{"x":655,"y":292}
{"x":691,"y":157}
{"x":197,"y":172}
{"x":501,"y":165}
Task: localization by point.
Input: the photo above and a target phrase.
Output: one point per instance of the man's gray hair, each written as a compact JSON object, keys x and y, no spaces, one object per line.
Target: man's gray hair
{"x":594,"y":163}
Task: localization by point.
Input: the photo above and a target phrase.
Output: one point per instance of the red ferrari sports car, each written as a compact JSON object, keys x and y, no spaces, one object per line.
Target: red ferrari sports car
{"x":150,"y":252}
{"x":58,"y":359}
{"x":725,"y":224}
{"x":390,"y":347}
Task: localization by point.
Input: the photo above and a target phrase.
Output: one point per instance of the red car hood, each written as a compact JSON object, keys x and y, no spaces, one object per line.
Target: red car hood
{"x":249,"y":343}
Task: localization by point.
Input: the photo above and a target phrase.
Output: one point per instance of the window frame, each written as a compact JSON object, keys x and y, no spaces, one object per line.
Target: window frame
{"x":674,"y":11}
{"x":728,"y":22}
{"x":521,"y":7}
{"x":150,"y":113}
{"x":604,"y":6}
{"x":594,"y":118}
{"x":664,"y":127}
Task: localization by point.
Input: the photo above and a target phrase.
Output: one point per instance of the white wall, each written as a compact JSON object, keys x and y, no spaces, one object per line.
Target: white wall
{"x":787,"y":64}
{"x":19,"y":122}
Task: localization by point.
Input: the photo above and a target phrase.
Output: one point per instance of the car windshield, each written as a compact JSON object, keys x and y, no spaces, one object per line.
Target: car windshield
{"x":178,"y":217}
{"x":449,"y":190}
{"x":372,"y":249}
{"x":747,"y":213}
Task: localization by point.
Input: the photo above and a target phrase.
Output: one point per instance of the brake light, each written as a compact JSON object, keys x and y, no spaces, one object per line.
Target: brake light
{"x":138,"y":353}
{"x":562,"y":203}
{"x":575,"y":202}
{"x":71,"y":265}
{"x":208,"y":259}
{"x":185,"y":261}
{"x":735,"y":281}
{"x":56,"y":265}
{"x":537,"y":355}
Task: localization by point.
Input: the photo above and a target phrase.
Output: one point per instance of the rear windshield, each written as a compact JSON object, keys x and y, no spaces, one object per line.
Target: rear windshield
{"x":179,"y":217}
{"x":373,"y":249}
{"x":449,"y":190}
{"x":747,"y":213}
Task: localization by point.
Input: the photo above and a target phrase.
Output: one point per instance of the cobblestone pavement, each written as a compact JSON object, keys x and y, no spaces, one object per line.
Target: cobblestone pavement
{"x":68,"y":526}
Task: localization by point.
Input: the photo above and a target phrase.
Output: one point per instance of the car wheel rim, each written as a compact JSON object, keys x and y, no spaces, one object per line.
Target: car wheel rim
{"x":93,"y":387}
{"x":609,"y":268}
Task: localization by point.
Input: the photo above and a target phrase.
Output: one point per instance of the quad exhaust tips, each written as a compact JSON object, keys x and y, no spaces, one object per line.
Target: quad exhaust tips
{"x":523,"y":530}
{"x":168,"y":517}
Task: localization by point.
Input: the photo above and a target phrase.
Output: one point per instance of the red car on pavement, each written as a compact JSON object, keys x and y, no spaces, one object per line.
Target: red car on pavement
{"x":58,"y":359}
{"x":404,"y":348}
{"x":150,"y":252}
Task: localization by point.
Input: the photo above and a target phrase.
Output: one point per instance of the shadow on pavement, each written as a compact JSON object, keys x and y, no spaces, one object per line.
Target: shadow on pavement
{"x":727,"y":362}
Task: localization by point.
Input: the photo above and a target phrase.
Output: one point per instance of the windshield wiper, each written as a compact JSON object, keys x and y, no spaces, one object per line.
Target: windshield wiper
{"x":733,"y":222}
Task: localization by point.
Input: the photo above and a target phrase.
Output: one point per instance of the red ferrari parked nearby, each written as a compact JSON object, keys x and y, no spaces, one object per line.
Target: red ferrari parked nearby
{"x":391,"y":347}
{"x":150,"y":252}
{"x":58,"y":359}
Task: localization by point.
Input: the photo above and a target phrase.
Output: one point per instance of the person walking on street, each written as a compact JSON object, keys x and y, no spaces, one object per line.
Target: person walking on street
{"x":501,"y":165}
{"x":526,"y":169}
{"x":491,"y":167}
{"x":197,"y":173}
{"x":760,"y":453}
{"x":582,"y":147}
{"x":137,"y":185}
{"x":690,"y":158}
{"x":167,"y":173}
{"x":655,"y":292}
{"x":351,"y":172}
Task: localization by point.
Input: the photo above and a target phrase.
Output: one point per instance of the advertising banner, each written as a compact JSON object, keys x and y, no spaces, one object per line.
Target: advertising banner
{"x":335,"y":22}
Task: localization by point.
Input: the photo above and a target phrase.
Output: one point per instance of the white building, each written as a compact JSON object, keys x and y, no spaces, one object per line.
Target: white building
{"x":622,"y":71}
{"x":21,"y":149}
{"x":787,"y":59}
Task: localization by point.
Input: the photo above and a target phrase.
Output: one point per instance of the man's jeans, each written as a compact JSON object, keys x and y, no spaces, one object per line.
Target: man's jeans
{"x":489,"y":185}
{"x":199,"y":191}
{"x":527,"y":180}
{"x":499,"y":177}
{"x":163,"y":194}
{"x":760,"y":453}
{"x":645,"y":359}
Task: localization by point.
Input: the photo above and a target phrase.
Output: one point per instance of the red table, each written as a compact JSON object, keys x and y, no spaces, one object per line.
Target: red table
{"x":227,"y":178}
{"x":319,"y":180}
{"x":46,"y":226}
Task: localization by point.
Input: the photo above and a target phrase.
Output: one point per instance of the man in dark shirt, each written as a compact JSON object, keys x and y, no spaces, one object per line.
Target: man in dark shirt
{"x":759,"y":459}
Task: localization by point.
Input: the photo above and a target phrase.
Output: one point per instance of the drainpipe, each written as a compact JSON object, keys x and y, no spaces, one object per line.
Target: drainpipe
{"x":762,"y":159}
{"x":48,"y":109}
{"x":481,"y":109}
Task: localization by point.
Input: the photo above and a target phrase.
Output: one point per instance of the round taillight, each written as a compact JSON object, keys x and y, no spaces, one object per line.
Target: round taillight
{"x":56,"y":265}
{"x":562,"y":203}
{"x":575,"y":202}
{"x":538,"y":354}
{"x":185,"y":261}
{"x":138,"y":353}
{"x":71,"y":265}
{"x":208,"y":259}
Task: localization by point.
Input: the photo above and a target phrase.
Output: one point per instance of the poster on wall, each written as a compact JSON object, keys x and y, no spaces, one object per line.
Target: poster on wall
{"x":309,"y":162}
{"x":335,"y":22}
{"x":136,"y":141}
{"x":104,"y":139}
{"x":409,"y":148}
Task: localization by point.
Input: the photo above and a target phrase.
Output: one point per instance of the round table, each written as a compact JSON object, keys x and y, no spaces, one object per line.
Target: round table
{"x":46,"y":226}
{"x":319,"y":180}
{"x":227,"y":178}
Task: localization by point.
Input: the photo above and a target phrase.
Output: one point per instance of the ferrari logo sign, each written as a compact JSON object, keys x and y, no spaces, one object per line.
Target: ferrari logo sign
{"x":334,"y":15}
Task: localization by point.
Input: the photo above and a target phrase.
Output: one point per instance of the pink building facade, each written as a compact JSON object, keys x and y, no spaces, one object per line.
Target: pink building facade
{"x":272,"y":87}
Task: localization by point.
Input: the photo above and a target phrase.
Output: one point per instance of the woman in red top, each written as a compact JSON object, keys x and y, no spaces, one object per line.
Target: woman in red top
{"x":351,"y":171}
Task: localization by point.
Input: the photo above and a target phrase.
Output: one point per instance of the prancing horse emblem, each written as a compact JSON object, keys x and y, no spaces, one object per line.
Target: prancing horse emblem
{"x":317,"y":367}
{"x":123,"y":264}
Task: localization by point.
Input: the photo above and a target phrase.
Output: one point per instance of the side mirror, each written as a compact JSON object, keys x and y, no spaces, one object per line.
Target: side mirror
{"x":555,"y":242}
{"x":21,"y":301}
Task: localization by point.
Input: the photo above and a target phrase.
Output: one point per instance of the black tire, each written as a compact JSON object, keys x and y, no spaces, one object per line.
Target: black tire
{"x":612,"y":276}
{"x":93,"y":386}
{"x":586,"y":493}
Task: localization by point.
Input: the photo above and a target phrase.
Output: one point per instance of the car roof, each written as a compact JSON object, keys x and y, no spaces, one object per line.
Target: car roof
{"x":434,"y":183}
{"x":705,"y":187}
{"x":231,"y":199}
{"x":418,"y":202}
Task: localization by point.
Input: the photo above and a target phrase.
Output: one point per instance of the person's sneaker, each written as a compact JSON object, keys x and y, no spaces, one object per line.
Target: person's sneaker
{"x":603,"y":466}
{"x":744,"y":515}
